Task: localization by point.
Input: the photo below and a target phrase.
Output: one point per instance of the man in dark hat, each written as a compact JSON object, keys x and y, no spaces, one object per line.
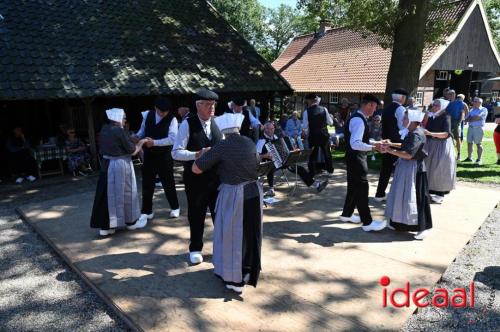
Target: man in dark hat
{"x":250,"y":124}
{"x":392,"y":124}
{"x":197,"y":134}
{"x":314,"y":123}
{"x":357,"y":135}
{"x":159,"y":127}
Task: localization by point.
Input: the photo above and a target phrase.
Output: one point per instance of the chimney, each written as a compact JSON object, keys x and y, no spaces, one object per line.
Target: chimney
{"x":324,"y":26}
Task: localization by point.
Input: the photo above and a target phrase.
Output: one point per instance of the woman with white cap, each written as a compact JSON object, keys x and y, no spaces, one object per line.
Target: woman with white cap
{"x":238,"y":212}
{"x":440,"y":164}
{"x":116,"y":203}
{"x":408,"y":208}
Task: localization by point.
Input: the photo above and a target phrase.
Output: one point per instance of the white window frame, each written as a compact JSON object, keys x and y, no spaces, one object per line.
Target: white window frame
{"x":419,"y":98}
{"x":442,"y":75}
{"x":334,"y":98}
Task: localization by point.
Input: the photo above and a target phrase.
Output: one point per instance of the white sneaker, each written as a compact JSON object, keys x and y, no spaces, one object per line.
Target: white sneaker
{"x":437,"y":199}
{"x":421,"y":235}
{"x":237,"y":289}
{"x":380,"y":199}
{"x":106,"y":232}
{"x":141,"y":222}
{"x":353,"y":219}
{"x":31,"y":178}
{"x":195,"y":257}
{"x":375,"y":226}
{"x":19,"y":180}
{"x":373,"y":157}
{"x":175,"y":213}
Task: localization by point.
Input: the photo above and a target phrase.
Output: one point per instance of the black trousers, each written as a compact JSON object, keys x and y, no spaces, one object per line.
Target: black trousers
{"x":327,"y":154}
{"x":386,"y":170}
{"x":201,"y":193}
{"x":301,"y":171}
{"x":357,"y":194}
{"x":160,"y":164}
{"x":22,"y":163}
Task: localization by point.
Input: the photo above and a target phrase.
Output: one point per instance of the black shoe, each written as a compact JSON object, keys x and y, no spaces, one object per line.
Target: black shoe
{"x":322,"y":186}
{"x":498,"y":162}
{"x":467,"y":160}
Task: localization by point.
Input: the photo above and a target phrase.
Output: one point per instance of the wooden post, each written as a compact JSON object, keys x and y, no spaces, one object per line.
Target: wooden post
{"x":91,"y":132}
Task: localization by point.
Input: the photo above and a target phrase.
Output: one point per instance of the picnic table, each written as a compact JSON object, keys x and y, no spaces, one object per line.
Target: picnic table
{"x":44,"y":153}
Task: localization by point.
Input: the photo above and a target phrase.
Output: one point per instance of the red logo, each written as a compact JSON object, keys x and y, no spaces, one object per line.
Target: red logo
{"x":441,"y":298}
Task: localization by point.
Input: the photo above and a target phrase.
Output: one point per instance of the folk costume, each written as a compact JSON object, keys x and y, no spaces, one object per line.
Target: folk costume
{"x":116,"y":203}
{"x":238,"y":213}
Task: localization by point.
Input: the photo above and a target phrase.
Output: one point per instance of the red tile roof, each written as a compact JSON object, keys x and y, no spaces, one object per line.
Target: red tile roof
{"x":343,"y":61}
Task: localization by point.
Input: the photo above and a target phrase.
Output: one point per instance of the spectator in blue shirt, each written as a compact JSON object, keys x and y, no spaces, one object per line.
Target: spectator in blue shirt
{"x":255,"y":110}
{"x":294,"y":126}
{"x":456,"y":111}
{"x":476,"y":119}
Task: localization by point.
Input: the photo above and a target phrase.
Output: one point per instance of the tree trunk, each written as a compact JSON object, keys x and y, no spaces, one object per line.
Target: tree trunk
{"x":407,"y":50}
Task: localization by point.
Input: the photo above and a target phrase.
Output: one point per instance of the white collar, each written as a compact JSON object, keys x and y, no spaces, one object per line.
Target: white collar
{"x":207,"y":122}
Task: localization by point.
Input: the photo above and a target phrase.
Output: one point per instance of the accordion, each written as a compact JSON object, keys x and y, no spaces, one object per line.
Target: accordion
{"x":279,"y":151}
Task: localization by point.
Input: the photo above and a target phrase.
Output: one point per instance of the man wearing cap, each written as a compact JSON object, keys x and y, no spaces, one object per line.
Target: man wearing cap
{"x":197,"y":134}
{"x":315,"y":120}
{"x":392,"y":124}
{"x":238,"y":218}
{"x":250,"y":123}
{"x":357,"y":145}
{"x":160,"y":129}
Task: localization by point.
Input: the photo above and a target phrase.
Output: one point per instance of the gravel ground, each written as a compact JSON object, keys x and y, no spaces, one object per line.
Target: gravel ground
{"x":478,"y":261}
{"x":38,"y":291}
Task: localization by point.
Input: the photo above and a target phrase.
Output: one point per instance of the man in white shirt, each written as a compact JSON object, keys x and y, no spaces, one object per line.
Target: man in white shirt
{"x":197,"y":134}
{"x":357,"y":145}
{"x":159,"y":127}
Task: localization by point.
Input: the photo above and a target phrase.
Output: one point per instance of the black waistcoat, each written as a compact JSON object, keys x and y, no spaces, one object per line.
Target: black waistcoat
{"x":356,"y":160}
{"x":390,"y":127}
{"x":318,"y":131}
{"x":157,"y":131}
{"x":198,"y":139}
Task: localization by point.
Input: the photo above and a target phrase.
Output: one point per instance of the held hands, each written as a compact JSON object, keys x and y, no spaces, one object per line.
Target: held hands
{"x":149,"y":142}
{"x":201,"y":152}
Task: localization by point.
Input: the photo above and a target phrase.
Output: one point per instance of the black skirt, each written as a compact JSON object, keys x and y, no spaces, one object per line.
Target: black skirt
{"x":100,"y":213}
{"x":423,"y":207}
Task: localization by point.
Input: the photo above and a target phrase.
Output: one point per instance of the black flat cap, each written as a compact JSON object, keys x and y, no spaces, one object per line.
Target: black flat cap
{"x":163,"y":104}
{"x":369,"y":98}
{"x":239,"y":101}
{"x":311,"y":96}
{"x":401,"y":92}
{"x":205,"y":94}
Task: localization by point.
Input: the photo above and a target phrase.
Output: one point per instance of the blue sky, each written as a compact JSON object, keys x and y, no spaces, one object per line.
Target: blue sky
{"x":276,"y":3}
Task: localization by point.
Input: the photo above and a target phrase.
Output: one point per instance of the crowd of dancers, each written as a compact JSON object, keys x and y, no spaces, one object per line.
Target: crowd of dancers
{"x":221,"y":156}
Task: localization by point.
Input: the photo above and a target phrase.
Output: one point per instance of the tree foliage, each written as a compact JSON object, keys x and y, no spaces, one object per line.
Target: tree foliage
{"x":492,"y":8}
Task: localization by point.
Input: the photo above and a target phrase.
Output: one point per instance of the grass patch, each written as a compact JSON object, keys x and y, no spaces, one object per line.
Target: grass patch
{"x":488,"y":172}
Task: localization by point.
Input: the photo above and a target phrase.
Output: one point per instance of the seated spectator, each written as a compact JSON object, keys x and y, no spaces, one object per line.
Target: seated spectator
{"x":380,"y":109}
{"x":254,"y":109}
{"x":283,"y":121}
{"x":343,"y":109}
{"x":294,"y":126}
{"x":62,"y":135}
{"x":78,"y":158}
{"x":21,"y":162}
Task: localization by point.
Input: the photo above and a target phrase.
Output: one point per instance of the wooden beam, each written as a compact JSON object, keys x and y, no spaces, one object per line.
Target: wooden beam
{"x":91,"y":131}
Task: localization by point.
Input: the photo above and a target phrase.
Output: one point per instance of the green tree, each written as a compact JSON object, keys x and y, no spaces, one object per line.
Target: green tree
{"x":492,"y":8}
{"x":246,"y":16}
{"x":282,"y":24}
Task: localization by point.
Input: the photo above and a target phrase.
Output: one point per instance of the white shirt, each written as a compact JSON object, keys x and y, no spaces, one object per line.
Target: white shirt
{"x":400,"y":114}
{"x":261,"y":142}
{"x":172,"y":131}
{"x":357,"y":129}
{"x":305,"y":120}
{"x":179,"y":151}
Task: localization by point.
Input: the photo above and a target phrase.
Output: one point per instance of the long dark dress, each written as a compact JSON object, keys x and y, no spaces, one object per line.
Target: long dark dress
{"x":408,"y":202}
{"x":238,"y":215}
{"x":116,"y":147}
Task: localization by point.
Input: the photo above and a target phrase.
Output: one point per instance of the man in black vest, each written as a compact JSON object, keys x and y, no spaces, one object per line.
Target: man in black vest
{"x":196,"y":135}
{"x":315,"y":120}
{"x":160,"y":129}
{"x":357,"y":145}
{"x":392,"y":124}
{"x":250,"y":124}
